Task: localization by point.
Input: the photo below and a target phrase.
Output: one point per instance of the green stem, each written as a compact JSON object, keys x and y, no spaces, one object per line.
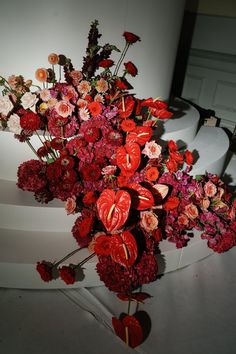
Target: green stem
{"x":86,"y":259}
{"x":121,"y":58}
{"x":68,"y":256}
{"x":33,"y":149}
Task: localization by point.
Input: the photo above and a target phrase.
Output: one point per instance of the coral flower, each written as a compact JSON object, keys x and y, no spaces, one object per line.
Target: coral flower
{"x":53,"y":58}
{"x":101,"y":85}
{"x":95,"y":108}
{"x":151,"y":173}
{"x":41,"y":74}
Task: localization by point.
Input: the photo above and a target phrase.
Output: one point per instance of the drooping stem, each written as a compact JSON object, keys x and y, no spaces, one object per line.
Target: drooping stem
{"x":86,"y":259}
{"x":68,"y":256}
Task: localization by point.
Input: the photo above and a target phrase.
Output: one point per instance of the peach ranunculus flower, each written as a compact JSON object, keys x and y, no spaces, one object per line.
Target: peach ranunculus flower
{"x":5,"y":105}
{"x":70,"y":205}
{"x":13,"y":124}
{"x":53,"y":59}
{"x":28,"y":100}
{"x":45,"y":95}
{"x":182,"y":219}
{"x":152,"y":150}
{"x":81,"y":103}
{"x":191,"y":211}
{"x":64,"y":108}
{"x":84,"y":87}
{"x":210,"y":189}
{"x":52,"y":102}
{"x":101,"y":86}
{"x":149,"y":221}
{"x":41,"y":74}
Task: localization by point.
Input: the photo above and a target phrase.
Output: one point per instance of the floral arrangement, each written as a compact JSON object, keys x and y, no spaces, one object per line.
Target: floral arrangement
{"x":98,"y":154}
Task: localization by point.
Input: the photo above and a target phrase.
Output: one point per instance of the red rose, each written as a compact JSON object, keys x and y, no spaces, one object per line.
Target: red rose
{"x":131,"y":68}
{"x":30,"y":121}
{"x":175,"y":155}
{"x":171,"y":203}
{"x":45,"y":270}
{"x":188,"y":157}
{"x":91,"y":172}
{"x":106,"y":63}
{"x":171,"y":165}
{"x":172,"y":145}
{"x":131,"y":37}
{"x":67,"y":274}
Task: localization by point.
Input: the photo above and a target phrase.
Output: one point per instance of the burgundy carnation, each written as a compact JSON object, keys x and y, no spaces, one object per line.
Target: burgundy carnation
{"x":45,"y":270}
{"x":67,"y":274}
{"x":31,"y":176}
{"x":131,"y":68}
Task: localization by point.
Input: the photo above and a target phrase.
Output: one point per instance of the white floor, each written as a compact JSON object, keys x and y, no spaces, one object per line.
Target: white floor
{"x":192,"y":311}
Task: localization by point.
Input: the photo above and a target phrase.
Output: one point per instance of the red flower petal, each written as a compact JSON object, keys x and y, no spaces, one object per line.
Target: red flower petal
{"x":128,"y":158}
{"x":129,"y":330}
{"x":113,"y":208}
{"x":143,"y":198}
{"x":124,"y":248}
{"x":140,"y":135}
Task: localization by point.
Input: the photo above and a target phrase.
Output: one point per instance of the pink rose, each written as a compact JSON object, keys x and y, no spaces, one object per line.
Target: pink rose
{"x":152,"y":150}
{"x":149,"y":221}
{"x":70,"y":205}
{"x":191,"y":211}
{"x":64,"y":108}
{"x":210,"y":189}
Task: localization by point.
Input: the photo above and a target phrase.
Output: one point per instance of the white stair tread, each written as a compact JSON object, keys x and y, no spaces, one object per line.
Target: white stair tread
{"x":19,"y":253}
{"x":183,"y":126}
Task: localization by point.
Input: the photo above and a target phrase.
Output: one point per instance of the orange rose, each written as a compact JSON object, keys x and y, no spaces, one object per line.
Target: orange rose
{"x":151,"y":173}
{"x":41,"y":74}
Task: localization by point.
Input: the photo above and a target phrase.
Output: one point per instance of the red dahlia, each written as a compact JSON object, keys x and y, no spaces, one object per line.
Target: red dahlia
{"x":30,"y":121}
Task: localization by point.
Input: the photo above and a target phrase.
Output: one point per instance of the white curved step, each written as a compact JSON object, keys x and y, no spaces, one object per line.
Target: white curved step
{"x":182,"y":127}
{"x":212,"y":145}
{"x":20,"y":251}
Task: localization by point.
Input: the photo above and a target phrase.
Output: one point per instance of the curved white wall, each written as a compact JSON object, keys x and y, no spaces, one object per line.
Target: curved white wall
{"x":31,"y":29}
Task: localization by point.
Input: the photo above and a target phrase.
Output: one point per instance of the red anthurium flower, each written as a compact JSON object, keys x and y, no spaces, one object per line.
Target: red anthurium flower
{"x":128,"y":158}
{"x":138,"y":297}
{"x":129,"y":330}
{"x":126,"y":106}
{"x":140,"y":135}
{"x":142,"y":198}
{"x":113,"y":208}
{"x":124,"y":248}
{"x":161,"y":113}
